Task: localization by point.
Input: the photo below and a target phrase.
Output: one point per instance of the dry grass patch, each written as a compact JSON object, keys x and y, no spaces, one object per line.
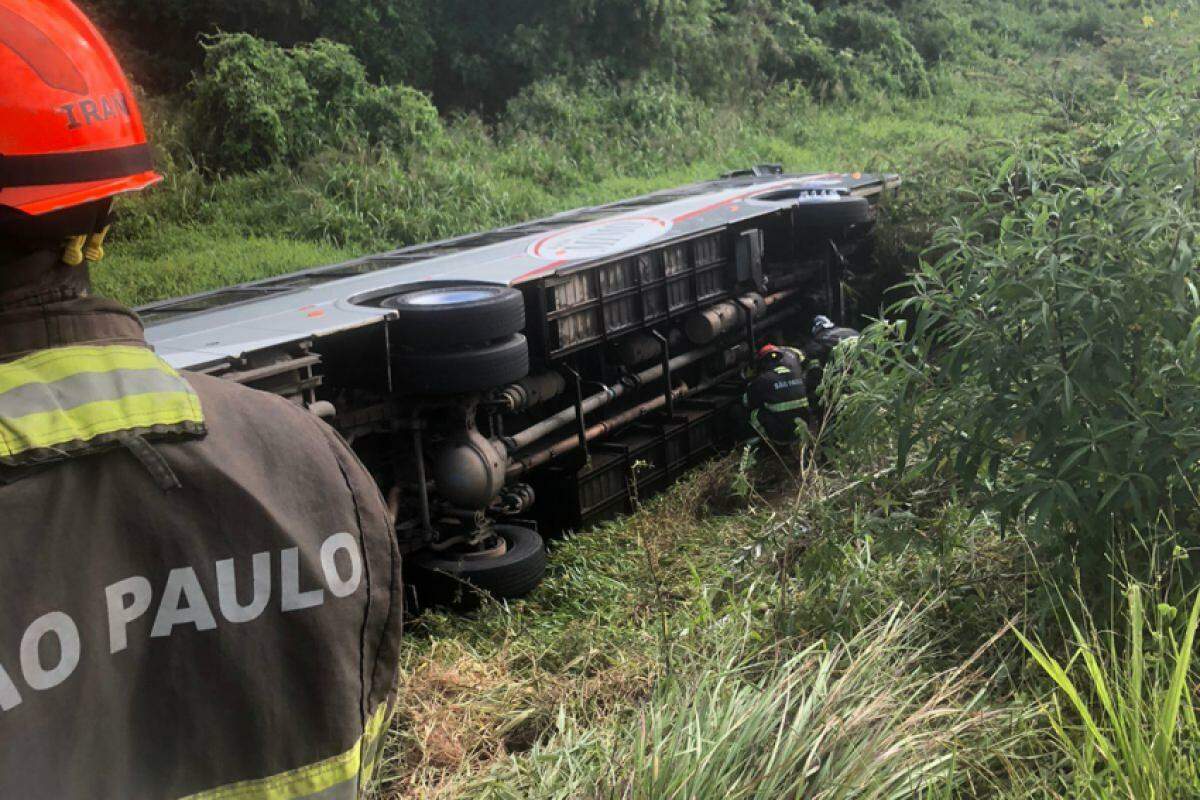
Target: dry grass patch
{"x":461,"y":713}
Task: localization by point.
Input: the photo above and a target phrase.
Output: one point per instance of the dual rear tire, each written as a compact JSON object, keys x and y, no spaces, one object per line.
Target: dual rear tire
{"x":453,"y":340}
{"x":458,"y":339}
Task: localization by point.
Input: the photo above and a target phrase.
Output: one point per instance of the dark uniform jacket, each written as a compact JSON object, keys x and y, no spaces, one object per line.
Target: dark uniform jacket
{"x":777,"y":398}
{"x":201,"y":592}
{"x":817,"y":353}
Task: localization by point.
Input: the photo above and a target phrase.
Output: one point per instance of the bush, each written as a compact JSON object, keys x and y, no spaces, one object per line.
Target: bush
{"x":1054,"y":361}
{"x":600,"y":125}
{"x":399,"y":117}
{"x":808,"y":61}
{"x":876,"y":43}
{"x":843,"y":51}
{"x":1087,"y":26}
{"x":337,"y":79}
{"x":940,"y":31}
{"x":557,"y":107}
{"x":258,"y":104}
{"x":253,"y":107}
{"x":491,"y":57}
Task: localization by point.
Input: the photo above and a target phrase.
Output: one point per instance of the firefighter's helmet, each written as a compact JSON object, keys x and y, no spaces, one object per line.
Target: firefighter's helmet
{"x":70,"y":129}
{"x":774,"y":357}
{"x":822,"y":323}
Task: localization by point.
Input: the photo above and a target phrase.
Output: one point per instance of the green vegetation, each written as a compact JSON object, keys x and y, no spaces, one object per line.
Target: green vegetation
{"x":847,"y":635}
{"x":283,"y":106}
{"x":1144,"y":741}
{"x":988,"y":588}
{"x":1053,"y":358}
{"x":343,"y":203}
{"x":308,"y":142}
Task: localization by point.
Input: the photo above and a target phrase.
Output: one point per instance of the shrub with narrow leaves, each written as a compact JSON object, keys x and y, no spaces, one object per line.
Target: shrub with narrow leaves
{"x":876,"y":45}
{"x":1054,"y":359}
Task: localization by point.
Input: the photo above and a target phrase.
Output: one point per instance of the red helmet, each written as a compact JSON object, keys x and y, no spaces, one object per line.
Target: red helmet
{"x":70,"y":131}
{"x":767,"y":350}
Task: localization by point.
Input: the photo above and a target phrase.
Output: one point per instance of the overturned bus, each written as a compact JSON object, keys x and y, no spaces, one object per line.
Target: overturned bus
{"x":540,"y":377}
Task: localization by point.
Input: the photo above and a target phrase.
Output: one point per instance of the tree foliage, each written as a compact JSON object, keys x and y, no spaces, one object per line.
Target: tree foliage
{"x":162,"y":40}
{"x":477,"y":56}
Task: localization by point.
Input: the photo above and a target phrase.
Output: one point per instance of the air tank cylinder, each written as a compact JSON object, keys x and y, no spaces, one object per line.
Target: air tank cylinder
{"x":705,"y":326}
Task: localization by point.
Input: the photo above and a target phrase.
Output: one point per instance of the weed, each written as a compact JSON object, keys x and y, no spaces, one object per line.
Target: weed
{"x":858,"y":719}
{"x":1124,"y":710}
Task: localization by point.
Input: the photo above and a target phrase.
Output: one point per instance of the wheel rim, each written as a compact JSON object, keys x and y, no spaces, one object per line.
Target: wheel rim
{"x":448,"y":297}
{"x":500,"y":549}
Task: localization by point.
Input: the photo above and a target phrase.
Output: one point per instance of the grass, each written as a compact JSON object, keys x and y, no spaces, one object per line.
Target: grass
{"x":1123,"y":711}
{"x":859,"y":719}
{"x":676,"y":650}
{"x":587,"y":645}
{"x":766,"y":631}
{"x":189,"y":260}
{"x":193,"y":235}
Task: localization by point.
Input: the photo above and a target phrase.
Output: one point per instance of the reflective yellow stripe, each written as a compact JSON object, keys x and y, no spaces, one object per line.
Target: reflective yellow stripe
{"x":86,"y":387}
{"x":70,"y":396}
{"x":791,"y":405}
{"x":48,"y":366}
{"x":353,"y":769}
{"x":372,"y":741}
{"x":84,"y":423}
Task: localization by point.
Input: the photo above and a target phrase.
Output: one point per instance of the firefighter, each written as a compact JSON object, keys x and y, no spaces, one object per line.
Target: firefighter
{"x":824,"y":339}
{"x":200,"y":582}
{"x":776,"y":398}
